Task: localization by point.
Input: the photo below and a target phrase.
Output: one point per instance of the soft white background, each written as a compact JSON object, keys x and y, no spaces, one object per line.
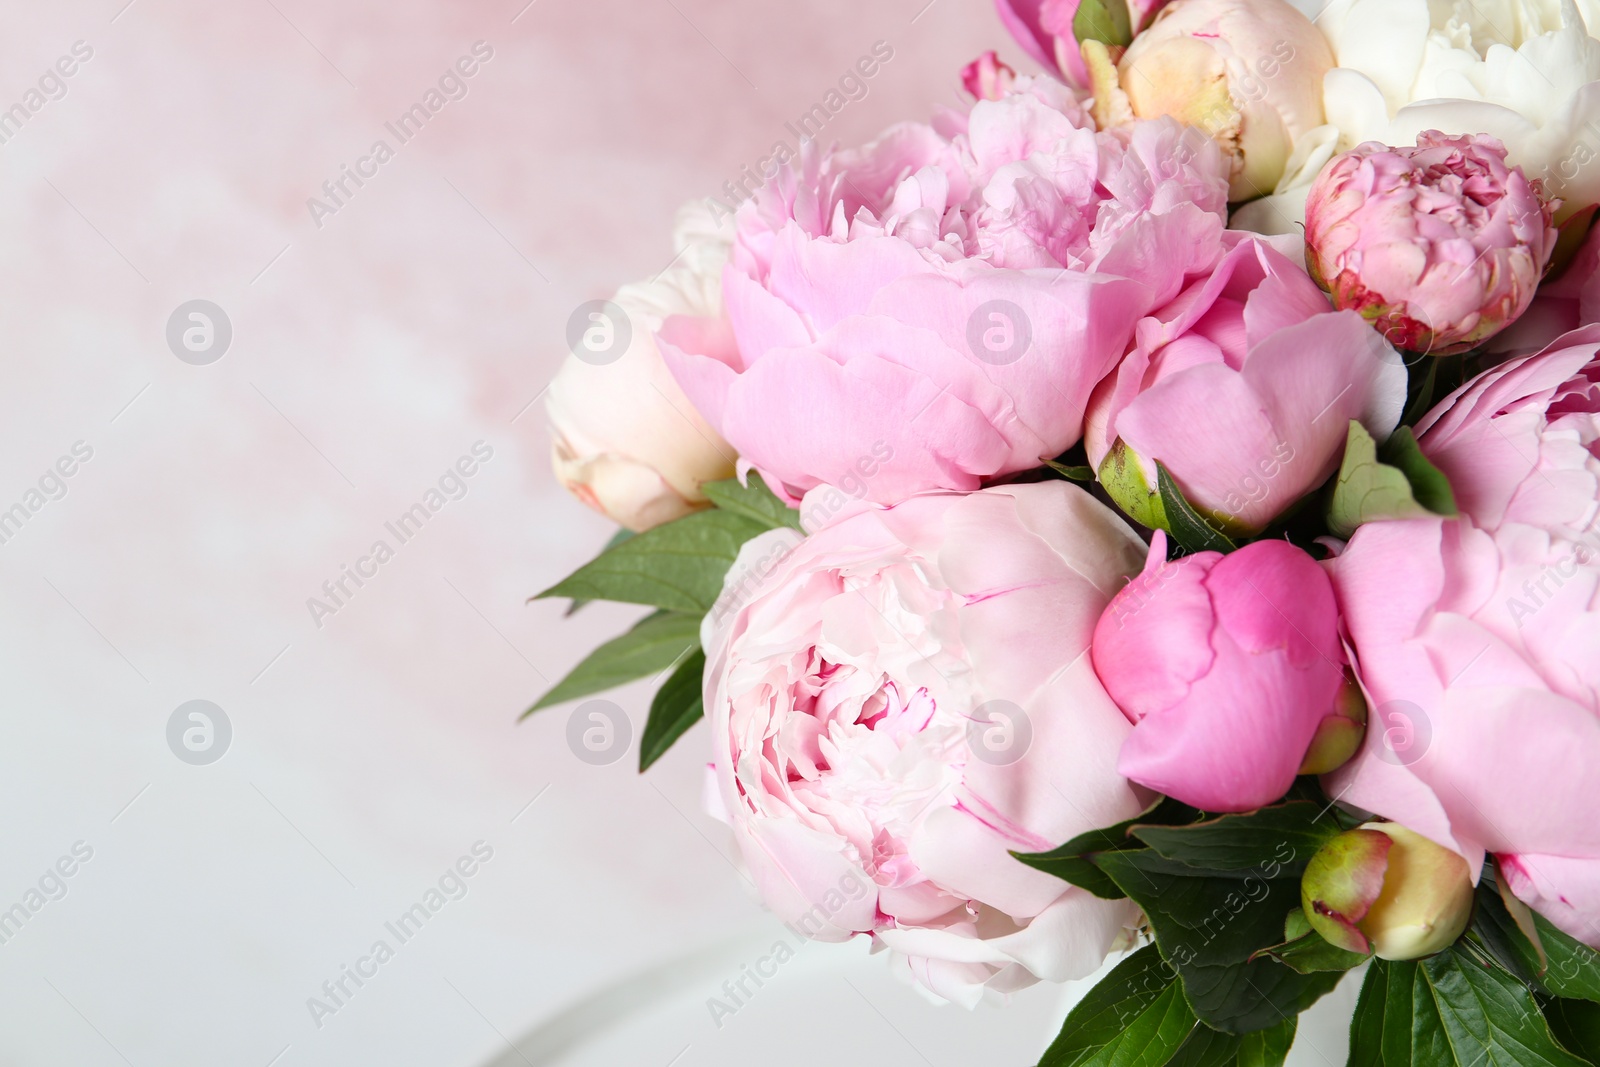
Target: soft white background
{"x":368,"y":354}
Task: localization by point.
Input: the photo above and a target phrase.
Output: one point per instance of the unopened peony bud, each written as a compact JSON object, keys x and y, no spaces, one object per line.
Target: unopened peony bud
{"x":1338,"y":736}
{"x":1387,"y":890}
{"x":1248,"y":72}
{"x":1439,"y":246}
{"x":987,"y":78}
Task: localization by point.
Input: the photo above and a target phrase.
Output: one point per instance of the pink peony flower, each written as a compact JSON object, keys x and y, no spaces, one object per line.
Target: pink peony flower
{"x":1044,"y":30}
{"x":1244,"y":388}
{"x":903,"y":697}
{"x":1226,"y":664}
{"x":986,"y":78}
{"x":950,"y":295}
{"x":1478,"y":639}
{"x":1438,"y":246}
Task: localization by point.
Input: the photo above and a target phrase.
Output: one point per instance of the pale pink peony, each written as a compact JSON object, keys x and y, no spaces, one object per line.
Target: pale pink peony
{"x":1227,"y":664}
{"x":947,"y":294}
{"x":1244,"y":388}
{"x":1439,"y":246}
{"x":1478,"y":639}
{"x":902,"y":698}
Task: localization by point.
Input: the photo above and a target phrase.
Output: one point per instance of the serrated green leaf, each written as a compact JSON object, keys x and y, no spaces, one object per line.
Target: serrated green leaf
{"x":1187,"y":526}
{"x":1134,"y":1017}
{"x":1369,"y":489}
{"x":655,"y":643}
{"x":677,"y":706}
{"x":1277,"y":839}
{"x":1074,"y":473}
{"x":753,"y":500}
{"x":1450,"y":1011}
{"x":1428,"y":484}
{"x":1070,"y":863}
{"x":1209,"y":925}
{"x":616,"y":539}
{"x":678,"y":565}
{"x":1105,"y":21}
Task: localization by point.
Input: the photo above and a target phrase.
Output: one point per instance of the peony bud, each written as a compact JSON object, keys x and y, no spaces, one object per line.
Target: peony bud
{"x":1439,"y":246}
{"x":986,"y":78}
{"x":1225,"y":664}
{"x":1248,"y":72}
{"x":625,"y":439}
{"x":1387,"y":890}
{"x":1338,"y":736}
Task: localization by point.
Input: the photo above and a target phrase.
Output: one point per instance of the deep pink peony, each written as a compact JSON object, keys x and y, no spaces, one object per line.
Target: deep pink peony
{"x":1044,"y":30}
{"x":904,"y":696}
{"x":1478,"y":639}
{"x":1227,"y":664}
{"x":1440,"y":246}
{"x":1244,"y":388}
{"x":949,"y":295}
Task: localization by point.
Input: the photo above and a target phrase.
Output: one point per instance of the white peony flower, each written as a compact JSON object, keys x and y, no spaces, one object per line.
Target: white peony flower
{"x":627,"y":442}
{"x":1524,"y":71}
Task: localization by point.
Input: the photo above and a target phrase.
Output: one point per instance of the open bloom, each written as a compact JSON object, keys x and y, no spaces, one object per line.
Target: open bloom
{"x":1478,"y":639}
{"x":1243,"y":388}
{"x":948,"y":295}
{"x":1227,"y":664}
{"x":626,"y":441}
{"x":1526,"y":72}
{"x":1438,"y":246}
{"x":903,"y":697}
{"x":1248,"y":72}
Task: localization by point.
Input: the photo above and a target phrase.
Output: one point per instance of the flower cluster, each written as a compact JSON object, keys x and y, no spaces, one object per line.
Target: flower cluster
{"x":1331,"y":677}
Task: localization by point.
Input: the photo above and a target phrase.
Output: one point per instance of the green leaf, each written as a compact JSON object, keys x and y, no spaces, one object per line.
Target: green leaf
{"x":616,"y":539}
{"x":677,"y":706}
{"x":1105,"y":21}
{"x":1071,"y":862}
{"x":1407,"y":486}
{"x":1187,"y":526}
{"x":1569,"y":968}
{"x":1209,"y":925}
{"x":752,"y":500}
{"x":1207,"y":1048}
{"x":1076,"y":474}
{"x":654,"y":644}
{"x":1576,"y":1024}
{"x":678,"y":565}
{"x":1428,"y":484}
{"x":1269,"y":1047}
{"x":1450,"y":1011}
{"x":1134,"y":1017}
{"x":1280,"y":838}
{"x":1310,"y":951}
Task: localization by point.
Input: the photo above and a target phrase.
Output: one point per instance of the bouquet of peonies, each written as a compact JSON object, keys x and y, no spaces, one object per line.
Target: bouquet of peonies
{"x":1063,"y":571}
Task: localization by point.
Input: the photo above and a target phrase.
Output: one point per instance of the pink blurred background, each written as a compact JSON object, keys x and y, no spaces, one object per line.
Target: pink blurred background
{"x":371,"y":348}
